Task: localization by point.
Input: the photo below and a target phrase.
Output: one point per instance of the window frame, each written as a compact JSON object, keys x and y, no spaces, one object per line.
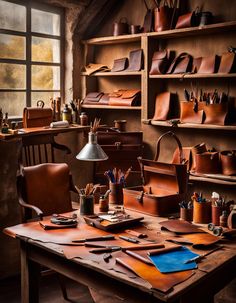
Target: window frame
{"x":28,"y":39}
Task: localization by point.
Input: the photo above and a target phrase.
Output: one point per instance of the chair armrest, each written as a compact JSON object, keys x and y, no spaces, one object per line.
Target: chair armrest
{"x":38,"y":211}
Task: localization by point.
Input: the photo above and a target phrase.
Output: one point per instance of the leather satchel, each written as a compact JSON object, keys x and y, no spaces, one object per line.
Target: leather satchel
{"x":37,"y":116}
{"x":120,"y":64}
{"x":162,"y":106}
{"x":187,"y":20}
{"x":227,"y":63}
{"x":208,"y":163}
{"x":164,"y":185}
{"x":160,"y":62}
{"x":129,"y":97}
{"x":181,"y":64}
{"x":135,"y":60}
{"x":163,"y":18}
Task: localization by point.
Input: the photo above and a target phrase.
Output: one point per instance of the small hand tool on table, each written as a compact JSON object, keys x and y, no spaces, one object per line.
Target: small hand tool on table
{"x":100,"y":238}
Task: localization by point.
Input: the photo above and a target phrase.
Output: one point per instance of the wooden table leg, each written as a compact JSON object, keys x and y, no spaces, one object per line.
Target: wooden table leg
{"x":29,"y":277}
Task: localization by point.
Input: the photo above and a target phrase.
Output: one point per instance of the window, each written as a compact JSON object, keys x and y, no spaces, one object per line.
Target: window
{"x":31,"y":55}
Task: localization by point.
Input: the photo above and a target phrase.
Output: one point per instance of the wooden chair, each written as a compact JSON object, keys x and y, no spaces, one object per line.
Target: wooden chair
{"x":40,"y":148}
{"x":43,"y":190}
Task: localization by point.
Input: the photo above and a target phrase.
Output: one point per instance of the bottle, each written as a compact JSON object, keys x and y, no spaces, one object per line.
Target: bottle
{"x":83,"y":119}
{"x":66,"y":114}
{"x":223,"y":219}
{"x":1,"y":119}
{"x":5,"y":125}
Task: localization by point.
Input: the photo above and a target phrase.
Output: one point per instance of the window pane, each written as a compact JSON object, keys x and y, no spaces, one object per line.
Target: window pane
{"x":44,"y":22}
{"x":13,"y":103}
{"x":12,"y":47}
{"x":12,"y":16}
{"x":12,"y":76}
{"x":45,"y":77}
{"x":45,"y":50}
{"x":45,"y":96}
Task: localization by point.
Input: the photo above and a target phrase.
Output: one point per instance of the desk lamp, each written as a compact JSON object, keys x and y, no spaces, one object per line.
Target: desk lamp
{"x":92,"y":151}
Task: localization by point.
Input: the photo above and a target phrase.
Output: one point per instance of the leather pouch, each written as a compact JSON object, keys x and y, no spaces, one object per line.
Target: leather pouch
{"x":131,"y":97}
{"x":37,"y":117}
{"x":216,"y":113}
{"x":228,"y":162}
{"x":187,"y":20}
{"x":227,"y":63}
{"x":208,"y":163}
{"x":181,"y":64}
{"x":93,"y":98}
{"x":121,"y":27}
{"x":162,"y":106}
{"x":189,"y":115}
{"x":135,"y":60}
{"x":160,"y":62}
{"x":163,"y":18}
{"x":120,"y":64}
{"x":202,"y":212}
{"x":208,"y":65}
{"x":164,"y":186}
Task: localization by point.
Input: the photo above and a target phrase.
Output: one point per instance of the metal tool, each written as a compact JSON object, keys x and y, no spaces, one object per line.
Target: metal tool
{"x":106,"y":249}
{"x":202,"y":256}
{"x":129,"y":239}
{"x":101,"y":238}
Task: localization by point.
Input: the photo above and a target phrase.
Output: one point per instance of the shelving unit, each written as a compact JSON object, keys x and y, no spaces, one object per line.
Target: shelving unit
{"x":150,"y":85}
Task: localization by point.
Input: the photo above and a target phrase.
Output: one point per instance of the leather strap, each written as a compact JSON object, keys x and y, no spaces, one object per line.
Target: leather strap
{"x":169,"y":133}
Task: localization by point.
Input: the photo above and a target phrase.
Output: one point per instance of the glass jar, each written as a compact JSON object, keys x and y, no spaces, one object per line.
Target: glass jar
{"x":66,"y":114}
{"x":83,"y":119}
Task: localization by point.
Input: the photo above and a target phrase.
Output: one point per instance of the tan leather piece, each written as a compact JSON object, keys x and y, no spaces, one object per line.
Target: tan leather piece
{"x":201,"y":240}
{"x":188,"y":115}
{"x":216,"y":113}
{"x":180,"y":226}
{"x":162,"y":106}
{"x":208,"y":65}
{"x":44,"y":194}
{"x":227,"y":63}
{"x":157,"y":280}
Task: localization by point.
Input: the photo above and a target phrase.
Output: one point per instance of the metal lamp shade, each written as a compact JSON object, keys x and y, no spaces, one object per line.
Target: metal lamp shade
{"x":92,"y":151}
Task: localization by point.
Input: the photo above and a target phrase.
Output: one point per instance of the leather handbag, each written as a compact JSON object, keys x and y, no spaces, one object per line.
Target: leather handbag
{"x":208,"y":163}
{"x":189,"y":113}
{"x":129,"y":97}
{"x":37,"y":116}
{"x":228,"y":162}
{"x":148,"y":20}
{"x":120,"y":64}
{"x":163,"y":17}
{"x":209,"y":65}
{"x":121,"y":27}
{"x":227,"y":63}
{"x":135,"y":60}
{"x":181,"y":64}
{"x":164,"y":185}
{"x":162,"y":106}
{"x":216,"y":113}
{"x":188,"y":20}
{"x":160,"y":62}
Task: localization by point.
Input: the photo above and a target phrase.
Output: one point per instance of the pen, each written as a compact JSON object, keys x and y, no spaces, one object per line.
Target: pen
{"x":129,"y":239}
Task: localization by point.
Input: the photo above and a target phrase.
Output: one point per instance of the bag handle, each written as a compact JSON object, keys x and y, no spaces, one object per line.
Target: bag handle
{"x":170,"y":133}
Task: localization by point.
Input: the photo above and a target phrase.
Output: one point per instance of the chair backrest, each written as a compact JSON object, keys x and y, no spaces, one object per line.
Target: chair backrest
{"x":38,"y":149}
{"x":45,"y":187}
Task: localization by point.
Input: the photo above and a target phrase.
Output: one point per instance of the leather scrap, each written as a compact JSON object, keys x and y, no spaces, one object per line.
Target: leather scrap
{"x":157,"y":280}
{"x":180,"y":226}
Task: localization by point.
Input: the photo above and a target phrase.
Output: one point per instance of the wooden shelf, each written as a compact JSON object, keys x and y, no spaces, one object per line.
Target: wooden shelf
{"x":191,"y":76}
{"x":212,"y":180}
{"x":111,"y":74}
{"x":112,"y":107}
{"x":207,"y":29}
{"x":190,"y":31}
{"x":190,"y":125}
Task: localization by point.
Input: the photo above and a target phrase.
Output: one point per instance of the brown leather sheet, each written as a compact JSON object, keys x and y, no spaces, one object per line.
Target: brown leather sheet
{"x":196,"y":240}
{"x":157,"y":280}
{"x":180,"y":226}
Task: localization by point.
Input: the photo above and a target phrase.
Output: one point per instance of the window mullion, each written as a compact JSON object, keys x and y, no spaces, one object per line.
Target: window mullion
{"x":28,"y":56}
